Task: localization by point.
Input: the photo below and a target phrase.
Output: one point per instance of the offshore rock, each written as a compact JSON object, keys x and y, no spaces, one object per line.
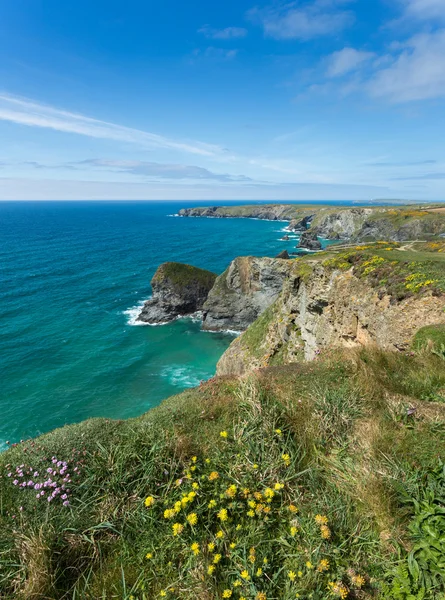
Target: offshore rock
{"x":243,"y":292}
{"x":309,"y":240}
{"x":284,"y":255}
{"x":178,"y":290}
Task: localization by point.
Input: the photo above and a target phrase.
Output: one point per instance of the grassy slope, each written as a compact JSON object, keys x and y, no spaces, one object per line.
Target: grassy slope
{"x":334,"y":433}
{"x":182,"y":275}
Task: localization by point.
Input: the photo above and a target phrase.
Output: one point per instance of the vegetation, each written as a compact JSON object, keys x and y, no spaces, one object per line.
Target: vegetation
{"x":319,"y":480}
{"x":392,"y":268}
{"x":183,"y":275}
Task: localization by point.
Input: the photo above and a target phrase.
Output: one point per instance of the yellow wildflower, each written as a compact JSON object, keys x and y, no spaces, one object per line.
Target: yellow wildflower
{"x":323,"y":565}
{"x":237,"y":583}
{"x":245,"y":575}
{"x":291,"y":575}
{"x":286,"y":459}
{"x":212,"y":504}
{"x":293,"y":508}
{"x":261,"y":596}
{"x":338,"y":589}
{"x":232,"y":545}
{"x":207,"y":460}
{"x":169,"y":513}
{"x":259,"y":572}
{"x":220,"y":534}
{"x":194,"y":458}
{"x":227,"y":594}
{"x":178,"y":482}
{"x":258,"y":496}
{"x":278,"y":431}
{"x":266,"y":509}
{"x":195,"y":548}
{"x":358,"y":581}
{"x":210,"y":569}
{"x":246,"y":492}
{"x":223,"y":434}
{"x":149,"y":501}
{"x":192,"y":518}
{"x":255,"y":466}
{"x":252,"y":503}
{"x":325,"y":532}
{"x":222,"y":515}
{"x":149,"y":555}
{"x":163,"y":593}
{"x":321,"y":520}
{"x":252,"y":558}
{"x":191,"y":496}
{"x":211,"y":547}
{"x":178,"y":506}
{"x":269,"y":493}
{"x":265,"y":561}
{"x":193,"y":469}
{"x":238,"y":527}
{"x":195,"y":486}
{"x":309,"y":565}
{"x":213,"y":475}
{"x":178,"y":529}
{"x":216,"y":558}
{"x":293,"y":531}
{"x":279,"y":486}
{"x":251,"y":513}
{"x":231,"y":491}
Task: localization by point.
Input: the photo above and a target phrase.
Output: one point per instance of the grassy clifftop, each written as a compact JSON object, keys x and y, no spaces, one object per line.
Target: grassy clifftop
{"x":321,"y":480}
{"x":182,"y":275}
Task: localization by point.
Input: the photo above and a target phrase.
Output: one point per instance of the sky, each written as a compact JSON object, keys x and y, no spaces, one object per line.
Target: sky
{"x":233,"y":100}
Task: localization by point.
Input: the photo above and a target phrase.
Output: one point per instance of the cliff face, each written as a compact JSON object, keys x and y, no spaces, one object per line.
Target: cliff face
{"x":269,"y":212}
{"x":321,"y":307}
{"x":178,"y":289}
{"x":245,"y":290}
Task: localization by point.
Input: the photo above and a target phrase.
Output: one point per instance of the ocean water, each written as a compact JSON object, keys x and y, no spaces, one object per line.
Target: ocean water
{"x":72,"y":275}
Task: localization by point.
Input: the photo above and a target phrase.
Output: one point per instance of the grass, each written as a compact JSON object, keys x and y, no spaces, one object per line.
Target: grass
{"x":184,"y":275}
{"x":305,"y":469}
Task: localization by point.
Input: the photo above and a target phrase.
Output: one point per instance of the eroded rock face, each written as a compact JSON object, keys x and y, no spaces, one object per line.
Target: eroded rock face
{"x":309,"y":240}
{"x":178,"y":289}
{"x":247,"y":288}
{"x":328,"y":309}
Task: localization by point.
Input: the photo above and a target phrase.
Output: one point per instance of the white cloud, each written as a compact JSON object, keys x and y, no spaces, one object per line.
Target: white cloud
{"x":223,"y":34}
{"x":161,"y":171}
{"x":416,"y":73}
{"x":346,"y":60}
{"x":28,"y":112}
{"x":425,"y":9}
{"x":303,"y":21}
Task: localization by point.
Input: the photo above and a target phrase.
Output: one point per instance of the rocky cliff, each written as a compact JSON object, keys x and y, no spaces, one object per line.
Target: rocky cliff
{"x":367,"y":297}
{"x":342,"y":223}
{"x":245,"y":290}
{"x":178,"y":289}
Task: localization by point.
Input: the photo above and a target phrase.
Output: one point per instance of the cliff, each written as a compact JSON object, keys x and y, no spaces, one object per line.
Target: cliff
{"x":374,"y":223}
{"x":178,"y":290}
{"x":245,"y":290}
{"x":371,"y":295}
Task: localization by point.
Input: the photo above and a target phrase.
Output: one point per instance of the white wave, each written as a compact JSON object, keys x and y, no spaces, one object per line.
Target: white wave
{"x":183,"y":376}
{"x":133,"y":314}
{"x":224,"y":331}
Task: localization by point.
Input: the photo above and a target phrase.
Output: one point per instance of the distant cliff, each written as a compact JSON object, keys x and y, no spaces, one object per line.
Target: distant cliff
{"x":342,"y":223}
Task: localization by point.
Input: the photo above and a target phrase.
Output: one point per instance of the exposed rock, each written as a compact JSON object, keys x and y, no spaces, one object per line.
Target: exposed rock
{"x":284,"y":255}
{"x":301,"y":224}
{"x":309,"y":240}
{"x":269,"y":212}
{"x":320,"y":308}
{"x":178,"y":289}
{"x":285,"y":238}
{"x":243,"y":292}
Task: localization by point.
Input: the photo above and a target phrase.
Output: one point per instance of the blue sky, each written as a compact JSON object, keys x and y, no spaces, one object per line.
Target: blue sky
{"x":312,"y":99}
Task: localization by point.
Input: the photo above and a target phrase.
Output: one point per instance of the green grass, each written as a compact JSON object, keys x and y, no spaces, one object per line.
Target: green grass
{"x":335,"y":435}
{"x":183,"y":275}
{"x":432,"y":336}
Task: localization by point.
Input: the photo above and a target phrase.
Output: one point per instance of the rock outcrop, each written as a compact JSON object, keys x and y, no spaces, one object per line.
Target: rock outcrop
{"x":243,"y":292}
{"x":300,"y":224}
{"x":284,"y":255}
{"x":322,"y":308}
{"x":309,"y":240}
{"x":178,"y":290}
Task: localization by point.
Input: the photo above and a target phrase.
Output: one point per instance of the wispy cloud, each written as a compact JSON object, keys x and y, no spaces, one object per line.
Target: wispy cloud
{"x":346,"y":60}
{"x":402,"y":164}
{"x":33,"y":114}
{"x":213,"y":53}
{"x":227,"y":33}
{"x":424,"y":9}
{"x":161,"y":171}
{"x":424,"y":177}
{"x":303,"y":20}
{"x":417,"y":72}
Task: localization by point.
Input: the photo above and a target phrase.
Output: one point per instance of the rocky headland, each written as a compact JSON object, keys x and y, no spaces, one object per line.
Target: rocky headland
{"x":358,"y":224}
{"x":178,"y":290}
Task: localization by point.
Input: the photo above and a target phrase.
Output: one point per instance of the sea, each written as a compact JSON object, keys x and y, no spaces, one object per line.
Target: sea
{"x":73,"y":276}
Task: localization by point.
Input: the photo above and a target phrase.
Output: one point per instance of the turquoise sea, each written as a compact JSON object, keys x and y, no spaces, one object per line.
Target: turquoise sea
{"x":71,"y":277}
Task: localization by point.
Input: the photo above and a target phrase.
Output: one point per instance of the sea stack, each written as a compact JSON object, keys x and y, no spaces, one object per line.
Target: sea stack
{"x":178,"y":290}
{"x":309,"y":240}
